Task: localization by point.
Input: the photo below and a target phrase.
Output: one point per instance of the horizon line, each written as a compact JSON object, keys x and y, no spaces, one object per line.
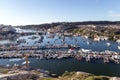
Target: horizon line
{"x":62,"y":22}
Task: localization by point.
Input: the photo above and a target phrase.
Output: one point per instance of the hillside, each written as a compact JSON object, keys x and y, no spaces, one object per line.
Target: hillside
{"x":90,"y":28}
{"x":25,"y":73}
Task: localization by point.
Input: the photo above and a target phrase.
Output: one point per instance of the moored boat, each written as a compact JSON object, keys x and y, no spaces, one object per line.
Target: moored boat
{"x":108,"y":44}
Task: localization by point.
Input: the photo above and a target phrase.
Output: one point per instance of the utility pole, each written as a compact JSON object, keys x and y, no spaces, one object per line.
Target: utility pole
{"x":26,"y":58}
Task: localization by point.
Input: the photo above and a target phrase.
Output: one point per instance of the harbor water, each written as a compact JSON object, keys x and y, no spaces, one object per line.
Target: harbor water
{"x":60,"y":66}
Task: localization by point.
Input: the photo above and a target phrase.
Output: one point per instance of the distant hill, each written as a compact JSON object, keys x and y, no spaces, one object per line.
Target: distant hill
{"x":70,"y":24}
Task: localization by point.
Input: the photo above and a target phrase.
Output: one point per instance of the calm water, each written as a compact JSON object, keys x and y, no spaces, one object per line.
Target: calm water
{"x":60,"y":66}
{"x":95,"y":46}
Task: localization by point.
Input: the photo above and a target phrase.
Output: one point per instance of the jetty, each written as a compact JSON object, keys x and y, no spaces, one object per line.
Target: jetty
{"x":106,"y":56}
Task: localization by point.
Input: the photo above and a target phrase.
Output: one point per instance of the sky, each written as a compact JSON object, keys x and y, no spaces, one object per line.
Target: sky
{"x":26,"y":12}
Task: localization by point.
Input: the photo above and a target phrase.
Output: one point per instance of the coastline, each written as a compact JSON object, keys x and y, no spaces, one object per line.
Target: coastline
{"x":23,"y":72}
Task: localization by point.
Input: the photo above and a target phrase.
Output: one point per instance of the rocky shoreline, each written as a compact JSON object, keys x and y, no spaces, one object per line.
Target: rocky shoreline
{"x":22,"y":73}
{"x":27,"y":73}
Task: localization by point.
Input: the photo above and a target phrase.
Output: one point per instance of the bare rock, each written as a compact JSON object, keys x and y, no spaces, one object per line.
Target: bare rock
{"x":114,"y":78}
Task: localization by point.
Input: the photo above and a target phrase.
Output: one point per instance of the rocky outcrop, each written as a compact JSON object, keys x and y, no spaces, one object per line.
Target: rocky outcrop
{"x":21,"y":73}
{"x":7,"y":29}
{"x":21,"y":77}
{"x":114,"y":78}
{"x":26,"y":73}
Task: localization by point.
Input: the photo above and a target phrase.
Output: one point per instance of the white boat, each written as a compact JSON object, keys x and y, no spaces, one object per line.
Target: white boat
{"x":119,"y":47}
{"x":16,"y":64}
{"x":86,"y":50}
{"x":60,"y":57}
{"x":8,"y":65}
{"x":70,"y":50}
{"x":88,"y":42}
{"x":108,"y":44}
{"x":25,"y":62}
{"x":86,"y":37}
{"x":96,"y":39}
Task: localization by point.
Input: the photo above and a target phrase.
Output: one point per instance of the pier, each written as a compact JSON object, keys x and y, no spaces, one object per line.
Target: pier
{"x":106,"y":56}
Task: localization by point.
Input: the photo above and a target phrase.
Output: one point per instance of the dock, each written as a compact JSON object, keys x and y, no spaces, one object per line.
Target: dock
{"x":106,"y":56}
